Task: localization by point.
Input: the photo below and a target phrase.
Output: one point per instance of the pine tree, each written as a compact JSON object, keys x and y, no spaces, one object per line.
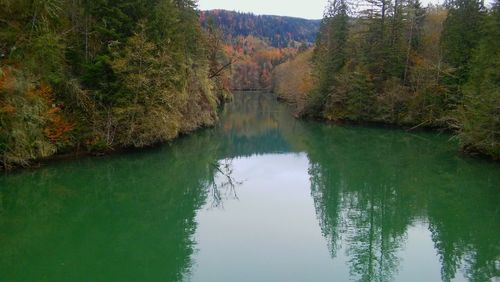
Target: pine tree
{"x":330,"y":55}
{"x":461,"y":34}
{"x":479,"y":117}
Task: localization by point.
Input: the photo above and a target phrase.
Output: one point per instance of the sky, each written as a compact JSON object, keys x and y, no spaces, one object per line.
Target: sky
{"x":309,"y":9}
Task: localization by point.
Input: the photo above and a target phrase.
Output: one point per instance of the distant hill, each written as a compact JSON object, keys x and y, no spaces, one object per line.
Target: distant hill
{"x":279,"y":32}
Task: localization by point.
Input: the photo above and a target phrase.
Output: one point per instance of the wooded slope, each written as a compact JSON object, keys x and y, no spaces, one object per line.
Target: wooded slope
{"x":100,"y":75}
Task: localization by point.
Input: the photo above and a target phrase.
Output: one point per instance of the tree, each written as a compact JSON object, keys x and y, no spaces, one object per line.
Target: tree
{"x":120,"y":73}
{"x":330,"y":54}
{"x":219,"y":62}
{"x":479,"y":116}
{"x":461,"y":34}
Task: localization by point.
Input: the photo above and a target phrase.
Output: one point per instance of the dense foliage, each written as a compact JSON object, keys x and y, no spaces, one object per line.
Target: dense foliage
{"x":99,"y":75}
{"x":257,"y":44}
{"x":279,"y":32}
{"x":396,"y":62}
{"x":293,"y":78}
{"x":254,"y":61}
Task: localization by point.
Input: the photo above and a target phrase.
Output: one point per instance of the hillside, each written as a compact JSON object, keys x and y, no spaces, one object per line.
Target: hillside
{"x":256,"y":44}
{"x":434,"y":67}
{"x":279,"y":32}
{"x":92,"y":78}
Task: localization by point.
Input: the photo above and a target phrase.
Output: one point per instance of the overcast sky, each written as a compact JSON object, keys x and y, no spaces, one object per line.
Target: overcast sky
{"x":309,"y":9}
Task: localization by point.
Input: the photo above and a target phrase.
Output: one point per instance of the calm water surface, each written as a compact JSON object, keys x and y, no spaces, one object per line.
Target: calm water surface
{"x":261,"y":197}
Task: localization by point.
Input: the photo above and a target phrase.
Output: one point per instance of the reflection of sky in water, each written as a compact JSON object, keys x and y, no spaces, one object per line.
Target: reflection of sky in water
{"x":316,"y":203}
{"x":270,"y":231}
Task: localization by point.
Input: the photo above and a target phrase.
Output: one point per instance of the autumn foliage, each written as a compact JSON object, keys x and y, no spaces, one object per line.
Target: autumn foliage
{"x":293,"y":79}
{"x":95,"y":76}
{"x":396,"y":62}
{"x":57,"y":128}
{"x":254,"y":62}
{"x":257,"y":44}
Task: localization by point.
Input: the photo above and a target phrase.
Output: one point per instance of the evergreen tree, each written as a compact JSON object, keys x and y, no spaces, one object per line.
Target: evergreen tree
{"x":396,"y":62}
{"x":461,"y":34}
{"x":479,"y":117}
{"x":330,"y":54}
{"x":99,"y":75}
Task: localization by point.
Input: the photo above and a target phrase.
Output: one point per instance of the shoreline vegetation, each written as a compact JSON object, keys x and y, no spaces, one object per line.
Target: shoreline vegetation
{"x":96,"y":77}
{"x":403,"y":65}
{"x":82,"y":78}
{"x":79,"y":155}
{"x":257,"y":44}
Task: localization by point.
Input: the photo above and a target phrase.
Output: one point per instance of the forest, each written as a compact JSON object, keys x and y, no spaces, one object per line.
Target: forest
{"x":399,"y":63}
{"x":256,"y":44}
{"x":279,"y":31}
{"x":97,"y":76}
{"x":226,"y":146}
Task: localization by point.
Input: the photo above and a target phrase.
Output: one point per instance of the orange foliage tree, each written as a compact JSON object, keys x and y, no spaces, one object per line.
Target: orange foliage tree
{"x":57,"y":128}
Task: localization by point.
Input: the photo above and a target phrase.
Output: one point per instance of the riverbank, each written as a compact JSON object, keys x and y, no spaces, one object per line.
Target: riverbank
{"x":130,"y":85}
{"x":295,"y":84}
{"x":417,"y":74}
{"x":465,"y":151}
{"x":82,"y":152}
{"x":337,"y":194}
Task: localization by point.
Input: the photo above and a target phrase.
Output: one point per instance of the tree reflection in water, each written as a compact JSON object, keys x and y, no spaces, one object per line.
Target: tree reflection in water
{"x":370,"y":186}
{"x":133,"y":217}
{"x":223,"y":186}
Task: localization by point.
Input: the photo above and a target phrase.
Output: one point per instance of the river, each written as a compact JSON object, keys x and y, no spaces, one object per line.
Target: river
{"x":260,"y":197}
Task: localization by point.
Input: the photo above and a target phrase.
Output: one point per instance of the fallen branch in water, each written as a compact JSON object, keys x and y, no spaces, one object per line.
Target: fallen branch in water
{"x":417,"y":126}
{"x":226,"y":171}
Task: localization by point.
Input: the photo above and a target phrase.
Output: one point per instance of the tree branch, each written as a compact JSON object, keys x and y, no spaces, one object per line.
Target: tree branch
{"x":218,"y":72}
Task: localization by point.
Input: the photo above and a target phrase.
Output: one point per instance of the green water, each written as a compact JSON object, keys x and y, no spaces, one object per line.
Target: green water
{"x":261,"y":197}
